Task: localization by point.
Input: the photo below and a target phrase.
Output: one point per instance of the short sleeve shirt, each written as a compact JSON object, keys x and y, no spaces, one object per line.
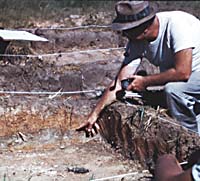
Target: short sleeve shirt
{"x":177,"y":31}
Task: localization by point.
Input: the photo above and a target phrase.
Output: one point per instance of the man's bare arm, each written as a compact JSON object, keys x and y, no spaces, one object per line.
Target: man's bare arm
{"x":181,"y":72}
{"x":108,"y":97}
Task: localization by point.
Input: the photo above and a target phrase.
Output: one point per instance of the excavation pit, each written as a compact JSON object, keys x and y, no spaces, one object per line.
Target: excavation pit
{"x":37,"y":122}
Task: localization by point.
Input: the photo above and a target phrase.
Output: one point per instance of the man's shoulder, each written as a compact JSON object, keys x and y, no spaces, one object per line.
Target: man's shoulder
{"x":174,"y":18}
{"x":174,"y":14}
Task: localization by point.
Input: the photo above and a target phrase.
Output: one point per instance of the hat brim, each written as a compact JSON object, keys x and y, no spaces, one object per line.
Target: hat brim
{"x":124,"y":26}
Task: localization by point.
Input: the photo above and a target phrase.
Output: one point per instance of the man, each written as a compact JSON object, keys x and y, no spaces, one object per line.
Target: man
{"x":170,"y":40}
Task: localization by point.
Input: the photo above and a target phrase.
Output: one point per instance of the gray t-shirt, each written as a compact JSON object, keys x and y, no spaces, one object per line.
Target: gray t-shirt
{"x":177,"y":31}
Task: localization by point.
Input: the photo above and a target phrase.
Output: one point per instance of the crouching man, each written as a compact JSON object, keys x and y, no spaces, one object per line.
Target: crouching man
{"x":170,"y":40}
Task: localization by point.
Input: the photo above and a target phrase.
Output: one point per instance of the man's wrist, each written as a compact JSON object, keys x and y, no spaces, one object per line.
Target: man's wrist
{"x":147,"y":81}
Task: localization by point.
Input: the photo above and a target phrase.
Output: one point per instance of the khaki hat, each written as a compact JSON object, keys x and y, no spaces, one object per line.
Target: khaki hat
{"x":131,"y":14}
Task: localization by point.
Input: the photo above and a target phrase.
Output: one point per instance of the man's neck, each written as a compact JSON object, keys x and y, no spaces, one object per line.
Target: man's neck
{"x":154,"y":29}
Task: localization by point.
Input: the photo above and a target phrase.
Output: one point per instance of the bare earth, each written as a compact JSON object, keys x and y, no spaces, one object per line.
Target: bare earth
{"x":48,"y":157}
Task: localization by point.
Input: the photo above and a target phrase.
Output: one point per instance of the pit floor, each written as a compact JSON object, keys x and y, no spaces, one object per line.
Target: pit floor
{"x":28,"y":159}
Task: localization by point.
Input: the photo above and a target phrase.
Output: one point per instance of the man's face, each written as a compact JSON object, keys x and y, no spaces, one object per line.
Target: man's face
{"x":134,"y":33}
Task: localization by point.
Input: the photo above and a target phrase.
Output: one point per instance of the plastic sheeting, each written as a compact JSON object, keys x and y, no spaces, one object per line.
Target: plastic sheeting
{"x":9,"y":35}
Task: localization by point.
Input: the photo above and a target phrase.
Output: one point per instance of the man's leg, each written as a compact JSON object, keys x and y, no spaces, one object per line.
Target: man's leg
{"x":181,"y":99}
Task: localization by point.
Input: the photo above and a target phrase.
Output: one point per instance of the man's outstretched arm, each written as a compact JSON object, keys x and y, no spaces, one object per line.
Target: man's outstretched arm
{"x":90,"y":126}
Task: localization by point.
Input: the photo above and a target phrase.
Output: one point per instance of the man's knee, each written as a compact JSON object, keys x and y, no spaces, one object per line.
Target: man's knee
{"x":174,"y":88}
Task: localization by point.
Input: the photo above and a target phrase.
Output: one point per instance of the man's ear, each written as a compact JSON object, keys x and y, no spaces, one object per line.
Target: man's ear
{"x":145,"y":31}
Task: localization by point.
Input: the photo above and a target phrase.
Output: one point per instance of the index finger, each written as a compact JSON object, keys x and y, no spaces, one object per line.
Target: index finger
{"x":82,"y":127}
{"x":96,"y":126}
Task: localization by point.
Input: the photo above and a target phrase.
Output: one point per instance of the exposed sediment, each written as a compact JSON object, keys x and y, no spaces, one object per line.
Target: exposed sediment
{"x":144,"y":133}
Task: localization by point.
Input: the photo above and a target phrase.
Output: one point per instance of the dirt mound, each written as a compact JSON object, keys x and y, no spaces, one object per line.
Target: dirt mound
{"x":144,"y":133}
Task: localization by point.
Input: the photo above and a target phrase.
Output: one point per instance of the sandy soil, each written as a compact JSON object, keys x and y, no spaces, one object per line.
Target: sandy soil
{"x":46,"y":156}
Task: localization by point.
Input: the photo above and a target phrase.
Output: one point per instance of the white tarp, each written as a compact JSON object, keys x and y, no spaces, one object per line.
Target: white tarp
{"x":9,"y":35}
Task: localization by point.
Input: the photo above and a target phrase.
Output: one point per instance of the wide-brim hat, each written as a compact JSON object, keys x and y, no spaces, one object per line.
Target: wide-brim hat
{"x":131,"y":14}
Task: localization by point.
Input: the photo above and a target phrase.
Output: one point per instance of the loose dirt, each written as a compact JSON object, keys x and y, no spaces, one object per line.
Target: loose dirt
{"x":48,"y":156}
